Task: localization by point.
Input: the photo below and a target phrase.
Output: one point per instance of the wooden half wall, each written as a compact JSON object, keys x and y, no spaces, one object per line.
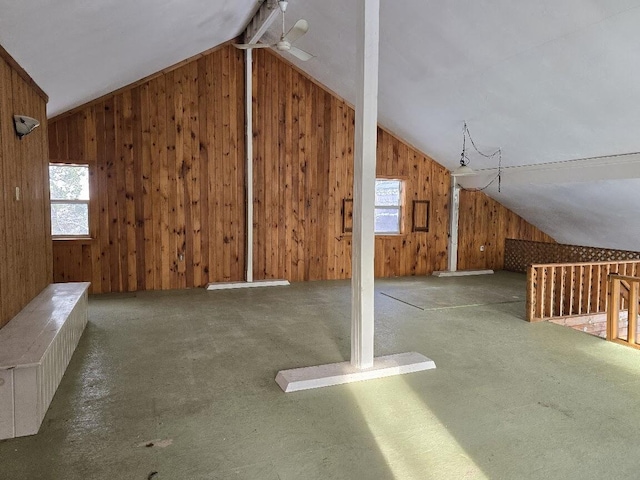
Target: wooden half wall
{"x":166,"y":161}
{"x":25,"y":239}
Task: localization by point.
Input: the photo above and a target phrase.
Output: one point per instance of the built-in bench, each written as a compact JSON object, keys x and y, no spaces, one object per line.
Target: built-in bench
{"x":35,"y":349}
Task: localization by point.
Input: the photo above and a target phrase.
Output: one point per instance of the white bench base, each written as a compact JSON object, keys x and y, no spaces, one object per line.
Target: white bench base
{"x":35,"y":349}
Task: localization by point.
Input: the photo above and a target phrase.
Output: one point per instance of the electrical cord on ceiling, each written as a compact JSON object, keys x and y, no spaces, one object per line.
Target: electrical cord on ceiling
{"x":466,"y":133}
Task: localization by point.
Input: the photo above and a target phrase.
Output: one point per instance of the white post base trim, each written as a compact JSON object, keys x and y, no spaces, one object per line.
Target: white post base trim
{"x":461,"y":273}
{"x":257,"y":283}
{"x":338,"y":373}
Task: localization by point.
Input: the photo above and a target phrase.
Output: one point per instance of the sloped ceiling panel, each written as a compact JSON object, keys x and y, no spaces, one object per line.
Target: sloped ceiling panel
{"x":79,"y":50}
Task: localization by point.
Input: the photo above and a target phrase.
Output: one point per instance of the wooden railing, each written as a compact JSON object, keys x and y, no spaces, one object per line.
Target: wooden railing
{"x":519,"y":254}
{"x":570,"y":289}
{"x":624,"y":296}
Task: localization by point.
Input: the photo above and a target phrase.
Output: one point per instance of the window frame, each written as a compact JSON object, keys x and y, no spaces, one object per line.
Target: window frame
{"x":71,"y":202}
{"x":399,"y":207}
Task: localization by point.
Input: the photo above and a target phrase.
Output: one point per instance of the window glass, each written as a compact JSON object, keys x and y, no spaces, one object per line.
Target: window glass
{"x":69,"y":186}
{"x":388,"y":208}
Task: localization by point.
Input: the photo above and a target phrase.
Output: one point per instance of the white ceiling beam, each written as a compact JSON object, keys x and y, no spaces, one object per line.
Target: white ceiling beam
{"x":261,"y":21}
{"x":614,"y":167}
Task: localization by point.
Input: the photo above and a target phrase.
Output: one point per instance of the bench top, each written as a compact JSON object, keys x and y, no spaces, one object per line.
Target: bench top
{"x":26,"y":338}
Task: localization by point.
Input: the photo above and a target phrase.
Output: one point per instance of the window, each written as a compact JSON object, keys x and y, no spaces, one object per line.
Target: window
{"x":388,"y":213}
{"x":69,"y":200}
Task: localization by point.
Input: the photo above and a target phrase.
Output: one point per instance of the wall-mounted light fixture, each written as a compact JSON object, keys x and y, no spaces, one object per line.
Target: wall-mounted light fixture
{"x":24,"y":125}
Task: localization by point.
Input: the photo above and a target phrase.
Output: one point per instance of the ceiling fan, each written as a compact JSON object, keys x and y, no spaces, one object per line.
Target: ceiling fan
{"x":286,"y":39}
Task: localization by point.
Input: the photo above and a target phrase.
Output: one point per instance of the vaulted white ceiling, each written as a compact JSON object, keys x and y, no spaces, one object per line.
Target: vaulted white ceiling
{"x":546,"y":81}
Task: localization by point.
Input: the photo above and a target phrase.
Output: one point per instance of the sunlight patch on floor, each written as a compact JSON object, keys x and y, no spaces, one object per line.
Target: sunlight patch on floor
{"x":412,"y":440}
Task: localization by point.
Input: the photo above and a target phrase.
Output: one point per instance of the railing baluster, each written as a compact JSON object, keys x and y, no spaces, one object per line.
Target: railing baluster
{"x":632,"y":313}
{"x":613,"y":314}
{"x":572,"y":289}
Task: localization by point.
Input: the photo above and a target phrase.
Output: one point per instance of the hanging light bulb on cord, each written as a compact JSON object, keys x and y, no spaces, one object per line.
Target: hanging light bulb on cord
{"x":464,"y":170}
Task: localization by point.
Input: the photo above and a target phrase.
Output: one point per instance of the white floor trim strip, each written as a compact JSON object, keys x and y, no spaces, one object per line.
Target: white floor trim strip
{"x":461,"y":273}
{"x":255,"y":284}
{"x":338,"y":373}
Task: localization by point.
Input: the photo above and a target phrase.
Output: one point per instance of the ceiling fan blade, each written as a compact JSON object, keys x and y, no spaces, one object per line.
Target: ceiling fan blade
{"x":247,"y":46}
{"x":299,"y":29}
{"x":301,"y":54}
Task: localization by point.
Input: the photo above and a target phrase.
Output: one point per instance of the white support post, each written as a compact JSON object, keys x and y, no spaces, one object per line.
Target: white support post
{"x":363,"y":240}
{"x":454,"y":216}
{"x":249,"y":282}
{"x":454,"y":213}
{"x":362,"y":365}
{"x":248,"y":82}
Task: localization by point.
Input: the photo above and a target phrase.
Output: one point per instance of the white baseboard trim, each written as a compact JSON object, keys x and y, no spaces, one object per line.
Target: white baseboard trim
{"x":255,"y":284}
{"x":461,"y":273}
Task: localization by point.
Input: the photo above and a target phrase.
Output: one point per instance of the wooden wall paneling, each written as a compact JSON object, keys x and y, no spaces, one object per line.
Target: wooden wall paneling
{"x":272,"y":180}
{"x":311,"y":182}
{"x":176,"y":189}
{"x":301,"y":167}
{"x":265,"y":95}
{"x":299,"y":199}
{"x":185,"y":179}
{"x":135,"y":189}
{"x":120,"y":212}
{"x":113,"y":190}
{"x":26,"y":255}
{"x":204,"y":87}
{"x":15,"y":212}
{"x":91,"y":157}
{"x":311,"y":148}
{"x":225,"y":164}
{"x":286,"y":238}
{"x":258,"y":168}
{"x":155,"y":207}
{"x":228,"y":235}
{"x":7,"y":260}
{"x":169,"y":170}
{"x":440,"y":208}
{"x":41,"y":195}
{"x":22,"y":209}
{"x":194,"y":230}
{"x":334,"y":212}
{"x":236,"y":162}
{"x":169,"y":164}
{"x":240,"y":170}
{"x":217,"y":181}
{"x":285,"y":109}
{"x":132,"y":174}
{"x":174,"y":141}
